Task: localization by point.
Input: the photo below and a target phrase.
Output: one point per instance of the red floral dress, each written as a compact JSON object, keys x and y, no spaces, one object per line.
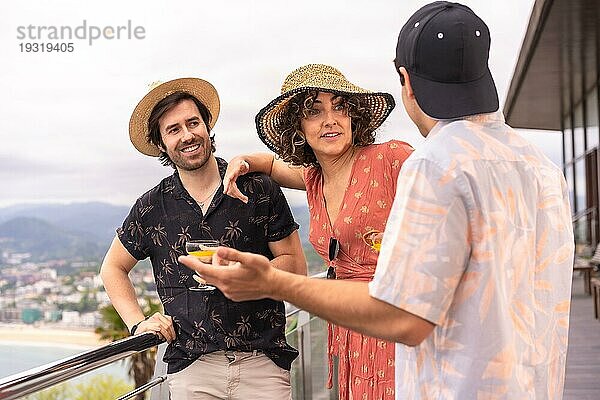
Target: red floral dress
{"x":366,"y":364}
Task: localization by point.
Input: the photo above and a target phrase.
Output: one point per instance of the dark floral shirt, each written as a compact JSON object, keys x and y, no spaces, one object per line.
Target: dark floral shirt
{"x":158,"y":226}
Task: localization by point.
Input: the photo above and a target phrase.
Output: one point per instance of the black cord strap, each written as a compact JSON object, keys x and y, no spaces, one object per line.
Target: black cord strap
{"x":134,"y":327}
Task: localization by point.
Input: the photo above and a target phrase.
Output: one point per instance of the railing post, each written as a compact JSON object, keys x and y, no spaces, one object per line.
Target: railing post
{"x":594,"y":227}
{"x":304,"y":344}
{"x":160,"y":392}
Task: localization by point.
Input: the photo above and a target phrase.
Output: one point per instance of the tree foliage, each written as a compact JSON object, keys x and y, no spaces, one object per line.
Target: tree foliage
{"x":141,"y":365}
{"x":99,"y":387}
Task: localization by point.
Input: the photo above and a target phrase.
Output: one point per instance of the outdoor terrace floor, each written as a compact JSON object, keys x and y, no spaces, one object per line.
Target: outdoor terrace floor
{"x":582,"y":381}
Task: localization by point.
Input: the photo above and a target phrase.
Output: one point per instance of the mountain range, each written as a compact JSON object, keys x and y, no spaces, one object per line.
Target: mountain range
{"x":76,"y":231}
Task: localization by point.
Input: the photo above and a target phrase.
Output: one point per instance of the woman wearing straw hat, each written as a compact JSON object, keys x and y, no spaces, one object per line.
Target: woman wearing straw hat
{"x":322,"y":129}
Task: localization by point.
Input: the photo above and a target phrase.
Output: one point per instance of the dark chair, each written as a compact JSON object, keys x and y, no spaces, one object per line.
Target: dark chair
{"x":586,"y":267}
{"x":595,"y":260}
{"x":595,"y":283}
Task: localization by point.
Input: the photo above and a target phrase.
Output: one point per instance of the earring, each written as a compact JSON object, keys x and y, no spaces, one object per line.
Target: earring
{"x":296,"y":141}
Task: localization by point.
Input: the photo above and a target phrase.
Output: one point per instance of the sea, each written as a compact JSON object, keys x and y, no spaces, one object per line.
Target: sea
{"x":17,"y":357}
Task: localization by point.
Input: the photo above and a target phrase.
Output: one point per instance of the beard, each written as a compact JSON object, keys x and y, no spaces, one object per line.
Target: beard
{"x":191,"y":163}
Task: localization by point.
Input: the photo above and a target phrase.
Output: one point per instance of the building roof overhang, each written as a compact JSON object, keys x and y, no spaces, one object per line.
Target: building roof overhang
{"x":551,"y":54}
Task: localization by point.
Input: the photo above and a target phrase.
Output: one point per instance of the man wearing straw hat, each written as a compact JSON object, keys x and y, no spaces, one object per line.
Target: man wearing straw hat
{"x":218,"y":349}
{"x":474,"y":276}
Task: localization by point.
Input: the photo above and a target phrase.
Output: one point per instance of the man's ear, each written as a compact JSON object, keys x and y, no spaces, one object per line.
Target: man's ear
{"x":406,"y":79}
{"x":161,"y":146}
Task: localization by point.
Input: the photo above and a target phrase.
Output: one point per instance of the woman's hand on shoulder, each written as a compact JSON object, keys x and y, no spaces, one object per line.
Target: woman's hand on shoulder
{"x":236,"y":167}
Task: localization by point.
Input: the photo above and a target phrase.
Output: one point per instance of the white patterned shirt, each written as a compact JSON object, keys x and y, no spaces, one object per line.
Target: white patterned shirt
{"x":480,"y":242}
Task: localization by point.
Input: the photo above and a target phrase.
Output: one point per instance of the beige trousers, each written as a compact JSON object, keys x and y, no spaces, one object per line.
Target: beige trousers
{"x":231,"y":375}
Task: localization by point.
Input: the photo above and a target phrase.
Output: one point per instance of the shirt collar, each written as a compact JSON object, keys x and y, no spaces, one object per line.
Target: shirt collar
{"x":494,"y":118}
{"x":179,"y":190}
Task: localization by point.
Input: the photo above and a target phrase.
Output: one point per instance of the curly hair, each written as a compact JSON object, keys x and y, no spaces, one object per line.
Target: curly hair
{"x":293,"y":148}
{"x":161,"y":108}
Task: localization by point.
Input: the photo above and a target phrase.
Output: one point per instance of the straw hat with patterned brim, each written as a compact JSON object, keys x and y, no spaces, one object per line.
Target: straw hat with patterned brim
{"x":138,"y":124}
{"x":317,"y":77}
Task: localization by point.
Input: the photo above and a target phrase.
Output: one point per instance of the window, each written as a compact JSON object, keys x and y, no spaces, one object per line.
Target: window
{"x":581,"y":187}
{"x":569,"y":178}
{"x":578,"y":131}
{"x":568,"y":144}
{"x":592,"y":119}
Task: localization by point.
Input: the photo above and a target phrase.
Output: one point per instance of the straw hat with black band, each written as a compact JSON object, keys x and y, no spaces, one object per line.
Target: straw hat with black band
{"x":317,"y":77}
{"x":138,"y":124}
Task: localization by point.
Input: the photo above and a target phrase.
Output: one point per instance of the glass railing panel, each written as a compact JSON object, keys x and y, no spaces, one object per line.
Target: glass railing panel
{"x":319,"y":362}
{"x":308,"y":375}
{"x":310,"y":369}
{"x":37,"y":379}
{"x":585,"y":230}
{"x":296,"y":371}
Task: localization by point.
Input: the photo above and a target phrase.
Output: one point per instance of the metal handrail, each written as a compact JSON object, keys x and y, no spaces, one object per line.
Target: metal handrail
{"x":36,"y":379}
{"x":44,"y":376}
{"x":584,"y":213}
{"x":320,"y":275}
{"x":143,"y":388}
{"x":296,"y":310}
{"x":591,"y":214}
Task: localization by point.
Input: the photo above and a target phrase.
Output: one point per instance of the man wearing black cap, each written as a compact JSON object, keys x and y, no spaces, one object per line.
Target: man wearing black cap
{"x":475,"y":268}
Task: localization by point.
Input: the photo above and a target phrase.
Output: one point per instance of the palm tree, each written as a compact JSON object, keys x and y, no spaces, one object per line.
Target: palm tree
{"x":141,"y":365}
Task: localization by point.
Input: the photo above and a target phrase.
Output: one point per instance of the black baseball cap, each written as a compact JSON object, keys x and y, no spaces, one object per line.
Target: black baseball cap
{"x":445,"y":48}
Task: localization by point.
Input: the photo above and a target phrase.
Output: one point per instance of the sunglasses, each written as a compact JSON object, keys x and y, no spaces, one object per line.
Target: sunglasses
{"x":334,"y":249}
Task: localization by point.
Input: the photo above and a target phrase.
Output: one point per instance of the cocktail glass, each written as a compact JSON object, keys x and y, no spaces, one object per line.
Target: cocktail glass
{"x":373,"y":239}
{"x":203,"y":250}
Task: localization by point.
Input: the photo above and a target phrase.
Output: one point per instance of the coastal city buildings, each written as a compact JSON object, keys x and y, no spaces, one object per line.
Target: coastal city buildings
{"x":57,"y":293}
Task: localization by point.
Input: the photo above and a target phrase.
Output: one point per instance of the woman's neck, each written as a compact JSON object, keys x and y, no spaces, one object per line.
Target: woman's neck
{"x":334,"y":168}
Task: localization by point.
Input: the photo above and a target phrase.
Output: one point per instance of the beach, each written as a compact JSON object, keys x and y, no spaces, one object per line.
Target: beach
{"x":48,"y":336}
{"x":23,"y":347}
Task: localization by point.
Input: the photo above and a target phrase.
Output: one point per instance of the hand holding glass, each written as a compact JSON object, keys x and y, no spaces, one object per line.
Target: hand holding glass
{"x":203,"y":250}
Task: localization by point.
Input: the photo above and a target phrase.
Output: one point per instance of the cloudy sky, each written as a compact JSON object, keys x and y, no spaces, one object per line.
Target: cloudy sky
{"x":64,"y":116}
